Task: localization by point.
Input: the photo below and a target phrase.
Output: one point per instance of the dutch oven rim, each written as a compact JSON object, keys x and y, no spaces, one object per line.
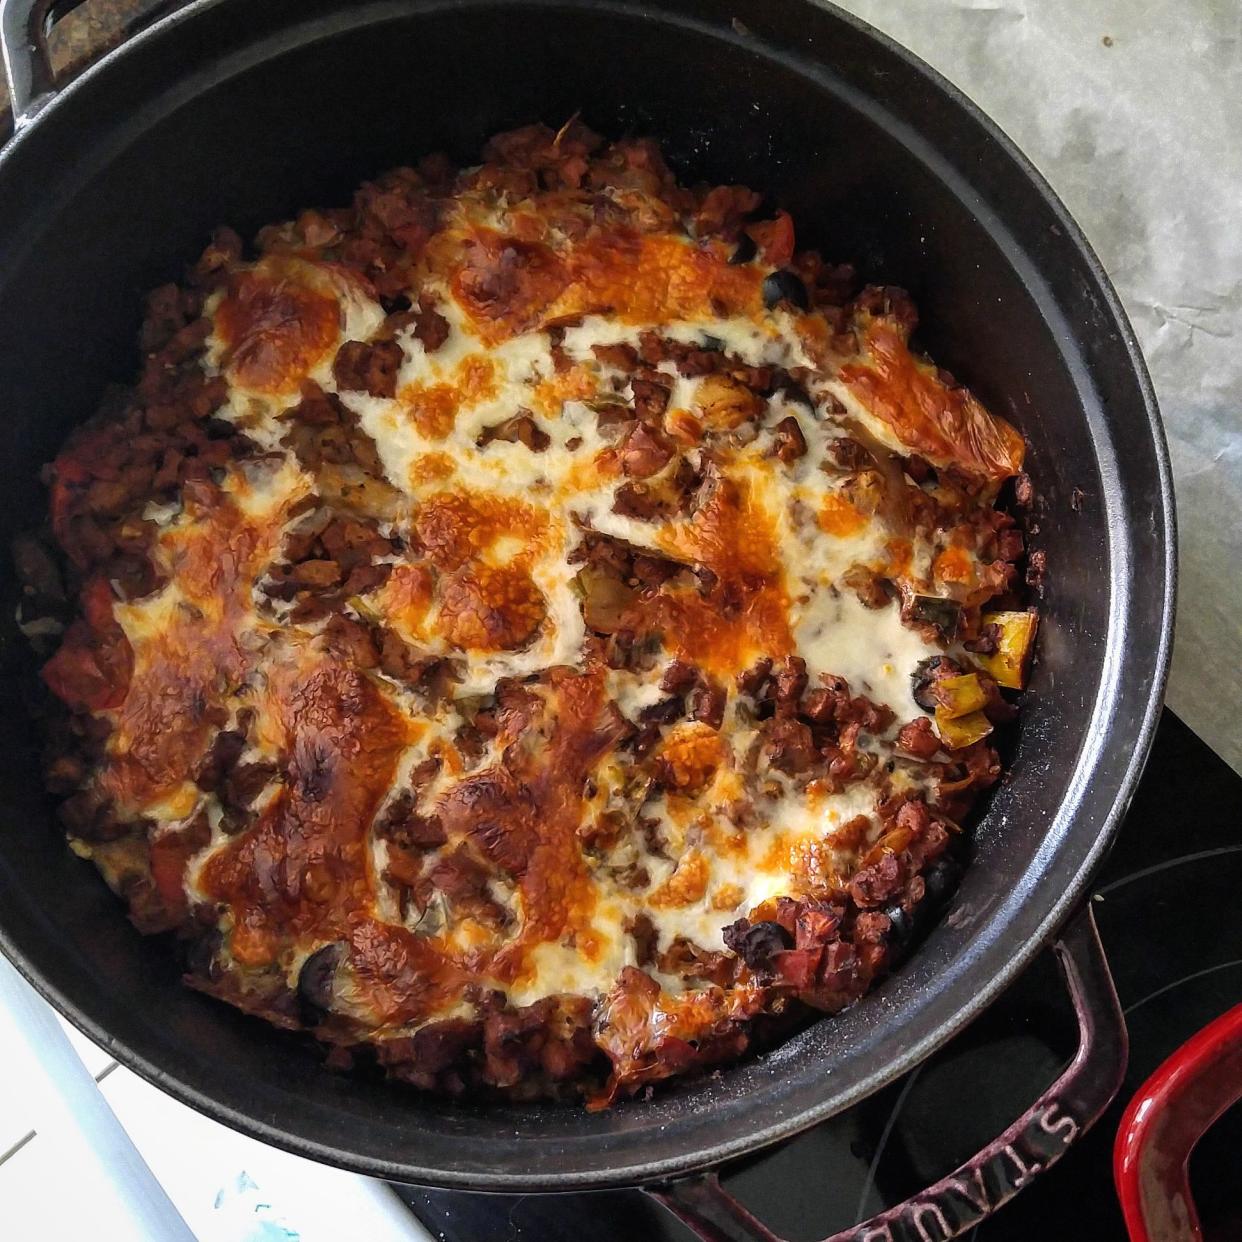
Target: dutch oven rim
{"x":638,"y":1172}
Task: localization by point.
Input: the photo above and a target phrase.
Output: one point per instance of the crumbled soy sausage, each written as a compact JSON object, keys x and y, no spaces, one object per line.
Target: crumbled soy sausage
{"x":645,"y":452}
{"x":623,"y":357}
{"x":918,"y":738}
{"x":790,"y":746}
{"x":679,"y":677}
{"x":646,"y":938}
{"x":520,"y":429}
{"x":368,"y":367}
{"x":788,"y":442}
{"x":791,"y":681}
{"x":430,"y":327}
{"x":753,"y":679}
{"x":706,"y":703}
{"x":650,"y":393}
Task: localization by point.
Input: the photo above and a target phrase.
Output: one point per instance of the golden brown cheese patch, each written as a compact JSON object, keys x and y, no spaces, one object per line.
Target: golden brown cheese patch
{"x":406,"y":597}
{"x":508,"y":286}
{"x":576,"y":383}
{"x":303,"y":869}
{"x":431,"y":468}
{"x":504,"y":284}
{"x":189,"y":660}
{"x":689,"y":757}
{"x":433,"y":408}
{"x":838,"y":517}
{"x":746,"y":614}
{"x":484,"y":608}
{"x":686,"y":885}
{"x":403,"y":977}
{"x":556,"y":890}
{"x":658,"y":278}
{"x":276,"y":323}
{"x":946,"y":425}
{"x":455,"y":527}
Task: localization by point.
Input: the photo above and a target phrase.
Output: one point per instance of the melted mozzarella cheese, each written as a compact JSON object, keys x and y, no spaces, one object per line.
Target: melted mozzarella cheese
{"x":870,"y":648}
{"x":694,"y":872}
{"x":761,"y":869}
{"x":559,"y":966}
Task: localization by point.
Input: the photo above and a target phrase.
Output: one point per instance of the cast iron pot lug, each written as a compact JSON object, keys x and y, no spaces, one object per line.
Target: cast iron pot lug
{"x":24,"y":28}
{"x":1036,"y":1140}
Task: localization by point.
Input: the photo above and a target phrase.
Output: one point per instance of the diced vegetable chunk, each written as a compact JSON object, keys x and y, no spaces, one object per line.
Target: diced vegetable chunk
{"x":959,"y":696}
{"x":957,"y":732}
{"x":944,"y":614}
{"x":1015,"y":640}
{"x":605,"y":598}
{"x":365,"y":609}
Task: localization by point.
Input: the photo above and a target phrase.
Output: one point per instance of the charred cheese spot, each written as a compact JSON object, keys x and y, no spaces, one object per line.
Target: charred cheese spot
{"x":909,"y":401}
{"x":190,"y":647}
{"x":302,"y":869}
{"x":402,"y":977}
{"x":483,"y":608}
{"x":275,"y":324}
{"x":505,"y":284}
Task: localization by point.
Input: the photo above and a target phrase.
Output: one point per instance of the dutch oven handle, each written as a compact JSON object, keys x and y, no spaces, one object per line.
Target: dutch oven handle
{"x":24,"y":28}
{"x":1036,"y":1140}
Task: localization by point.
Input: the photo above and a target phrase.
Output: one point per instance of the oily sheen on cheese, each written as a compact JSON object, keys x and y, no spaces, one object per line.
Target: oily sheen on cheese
{"x":531,"y":623}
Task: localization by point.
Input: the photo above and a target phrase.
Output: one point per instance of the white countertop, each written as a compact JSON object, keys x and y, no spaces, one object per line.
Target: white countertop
{"x":166,"y":1173}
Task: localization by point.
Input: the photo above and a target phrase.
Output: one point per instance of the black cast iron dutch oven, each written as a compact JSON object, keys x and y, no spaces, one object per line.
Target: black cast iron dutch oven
{"x":242,"y":112}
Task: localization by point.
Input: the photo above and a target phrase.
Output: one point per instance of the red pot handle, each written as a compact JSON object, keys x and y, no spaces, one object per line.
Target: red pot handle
{"x":1171,"y":1112}
{"x":1036,"y":1140}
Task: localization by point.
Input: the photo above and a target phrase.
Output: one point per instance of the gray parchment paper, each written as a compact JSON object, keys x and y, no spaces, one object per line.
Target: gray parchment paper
{"x":1133,"y":111}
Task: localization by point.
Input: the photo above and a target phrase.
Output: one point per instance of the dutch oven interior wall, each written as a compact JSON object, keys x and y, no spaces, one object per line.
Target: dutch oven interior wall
{"x":304,"y":129}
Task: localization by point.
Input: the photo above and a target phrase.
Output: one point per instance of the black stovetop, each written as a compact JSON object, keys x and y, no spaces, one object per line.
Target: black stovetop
{"x":1165,"y":905}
